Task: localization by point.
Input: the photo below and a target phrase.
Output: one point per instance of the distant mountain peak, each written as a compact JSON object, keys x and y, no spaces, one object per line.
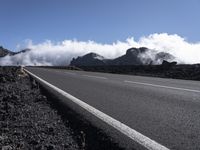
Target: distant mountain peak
{"x":94,"y":55}
{"x":136,"y":51}
{"x":90,"y":59}
{"x":4,"y":52}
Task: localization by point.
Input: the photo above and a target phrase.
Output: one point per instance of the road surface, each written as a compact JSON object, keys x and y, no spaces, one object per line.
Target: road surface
{"x":165,"y":110}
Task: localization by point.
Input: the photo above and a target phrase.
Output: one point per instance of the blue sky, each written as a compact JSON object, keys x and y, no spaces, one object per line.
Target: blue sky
{"x":103,"y":21}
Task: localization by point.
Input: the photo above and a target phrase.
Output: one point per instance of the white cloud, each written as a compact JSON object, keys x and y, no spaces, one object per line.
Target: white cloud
{"x":185,"y":52}
{"x":61,"y":53}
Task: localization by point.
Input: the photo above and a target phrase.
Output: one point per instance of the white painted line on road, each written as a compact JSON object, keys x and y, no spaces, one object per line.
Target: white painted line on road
{"x":162,"y":86}
{"x":94,"y":76}
{"x":126,"y":130}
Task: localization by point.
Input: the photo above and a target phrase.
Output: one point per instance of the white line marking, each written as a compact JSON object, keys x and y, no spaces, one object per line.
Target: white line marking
{"x":162,"y":86}
{"x":126,"y":130}
{"x":94,"y":76}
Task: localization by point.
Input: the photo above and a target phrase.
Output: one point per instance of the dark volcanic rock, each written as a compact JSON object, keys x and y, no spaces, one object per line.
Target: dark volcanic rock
{"x":4,"y":52}
{"x":163,"y":56}
{"x":27,"y":120}
{"x":165,"y":70}
{"x":132,"y":57}
{"x":91,"y":59}
{"x":168,"y":64}
{"x":23,"y":51}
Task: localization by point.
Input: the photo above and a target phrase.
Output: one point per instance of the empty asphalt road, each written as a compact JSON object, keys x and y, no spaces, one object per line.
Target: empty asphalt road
{"x":165,"y":110}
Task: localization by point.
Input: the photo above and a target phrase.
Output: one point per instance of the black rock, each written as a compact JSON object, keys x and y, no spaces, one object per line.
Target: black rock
{"x":50,"y":147}
{"x":133,"y":56}
{"x":4,"y":52}
{"x":34,"y":142}
{"x":8,"y":147}
{"x":163,"y":56}
{"x":3,"y":79}
{"x":91,"y":59}
{"x":168,"y":64}
{"x":23,"y":51}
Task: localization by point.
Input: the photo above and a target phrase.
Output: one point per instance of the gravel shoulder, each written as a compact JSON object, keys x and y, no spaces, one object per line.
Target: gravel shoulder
{"x":27,"y":120}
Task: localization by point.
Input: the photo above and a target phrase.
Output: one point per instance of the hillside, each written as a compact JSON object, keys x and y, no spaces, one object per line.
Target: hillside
{"x":4,"y":52}
{"x":133,"y":56}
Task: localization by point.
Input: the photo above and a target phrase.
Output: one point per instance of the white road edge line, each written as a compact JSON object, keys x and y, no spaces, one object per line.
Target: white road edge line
{"x":126,"y":130}
{"x":162,"y":86}
{"x":94,"y":76}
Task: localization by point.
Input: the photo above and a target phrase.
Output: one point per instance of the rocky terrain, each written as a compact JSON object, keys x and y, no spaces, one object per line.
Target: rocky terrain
{"x":92,"y":59}
{"x":4,"y":52}
{"x":27,"y":120}
{"x":133,"y":56}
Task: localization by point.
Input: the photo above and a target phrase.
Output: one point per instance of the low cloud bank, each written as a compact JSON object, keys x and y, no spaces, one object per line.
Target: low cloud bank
{"x":61,"y":53}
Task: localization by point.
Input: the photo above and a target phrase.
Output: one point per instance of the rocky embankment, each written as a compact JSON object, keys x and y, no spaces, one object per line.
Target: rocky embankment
{"x":166,"y":70}
{"x":27,"y":120}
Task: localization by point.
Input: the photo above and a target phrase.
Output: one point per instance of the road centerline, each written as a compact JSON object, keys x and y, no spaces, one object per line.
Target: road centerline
{"x":162,"y":86}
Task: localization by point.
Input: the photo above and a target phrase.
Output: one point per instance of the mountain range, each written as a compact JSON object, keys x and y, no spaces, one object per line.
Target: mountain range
{"x":133,"y":56}
{"x":4,"y":52}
